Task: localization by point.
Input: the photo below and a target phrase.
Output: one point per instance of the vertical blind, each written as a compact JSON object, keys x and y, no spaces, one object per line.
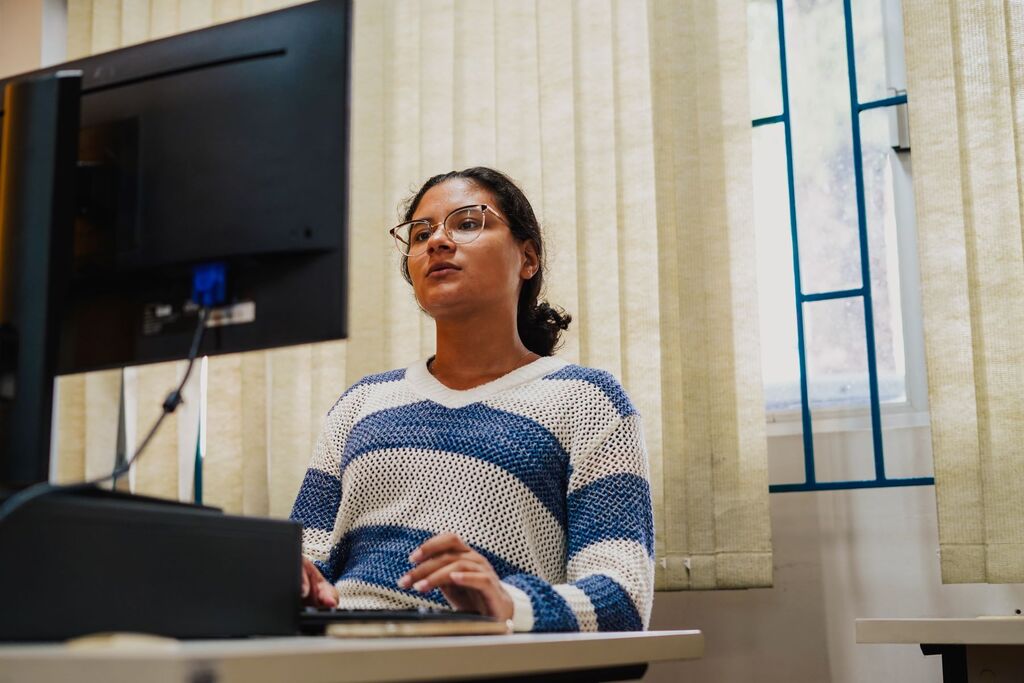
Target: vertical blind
{"x":627,"y":125}
{"x":965,"y":76}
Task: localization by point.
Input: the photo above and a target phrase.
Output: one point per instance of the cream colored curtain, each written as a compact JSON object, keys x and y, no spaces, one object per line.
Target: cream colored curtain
{"x":627,"y":124}
{"x":714,"y":529}
{"x":965,"y":76}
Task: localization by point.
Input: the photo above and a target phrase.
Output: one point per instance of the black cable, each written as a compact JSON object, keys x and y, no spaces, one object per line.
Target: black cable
{"x":170,"y":404}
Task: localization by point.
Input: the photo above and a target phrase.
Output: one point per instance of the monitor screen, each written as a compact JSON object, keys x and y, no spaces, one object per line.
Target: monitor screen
{"x":226,"y":145}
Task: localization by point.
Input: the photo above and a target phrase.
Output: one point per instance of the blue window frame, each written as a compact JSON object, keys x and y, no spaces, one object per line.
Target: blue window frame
{"x":863,"y":292}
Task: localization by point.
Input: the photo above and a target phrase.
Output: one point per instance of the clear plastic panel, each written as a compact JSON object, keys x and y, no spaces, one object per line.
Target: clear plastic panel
{"x":880,"y":210}
{"x":822,"y":146}
{"x":776,"y":293}
{"x":763,"y":57}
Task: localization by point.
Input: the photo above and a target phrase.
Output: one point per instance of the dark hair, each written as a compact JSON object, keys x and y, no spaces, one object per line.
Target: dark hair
{"x":539,"y":323}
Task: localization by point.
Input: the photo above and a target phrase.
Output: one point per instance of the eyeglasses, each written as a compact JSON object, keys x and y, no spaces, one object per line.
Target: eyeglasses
{"x":462,"y":226}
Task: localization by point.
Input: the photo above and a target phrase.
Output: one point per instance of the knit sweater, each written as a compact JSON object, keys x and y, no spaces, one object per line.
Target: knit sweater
{"x":542,"y":471}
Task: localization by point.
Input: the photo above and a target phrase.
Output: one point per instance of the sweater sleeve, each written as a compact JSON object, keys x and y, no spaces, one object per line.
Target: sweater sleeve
{"x":610,"y":544}
{"x":319,"y":499}
{"x":320,"y":495}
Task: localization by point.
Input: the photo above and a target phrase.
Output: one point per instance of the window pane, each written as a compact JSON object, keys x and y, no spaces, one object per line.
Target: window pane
{"x":763,"y":57}
{"x":880,"y":210}
{"x":837,"y":367}
{"x":827,"y":217}
{"x":776,"y":295}
{"x":822,"y":147}
{"x":870,"y":48}
{"x":837,"y":376}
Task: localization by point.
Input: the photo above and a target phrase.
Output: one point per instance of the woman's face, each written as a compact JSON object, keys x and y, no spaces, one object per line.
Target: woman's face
{"x":481,"y":275}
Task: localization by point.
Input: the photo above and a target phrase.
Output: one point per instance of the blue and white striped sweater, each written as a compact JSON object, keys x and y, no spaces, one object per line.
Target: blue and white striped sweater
{"x":542,"y":471}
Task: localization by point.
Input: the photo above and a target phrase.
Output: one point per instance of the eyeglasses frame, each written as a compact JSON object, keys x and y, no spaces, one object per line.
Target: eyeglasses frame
{"x":484,"y":209}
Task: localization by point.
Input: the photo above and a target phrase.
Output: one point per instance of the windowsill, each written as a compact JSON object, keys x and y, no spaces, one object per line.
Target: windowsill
{"x":834,"y":420}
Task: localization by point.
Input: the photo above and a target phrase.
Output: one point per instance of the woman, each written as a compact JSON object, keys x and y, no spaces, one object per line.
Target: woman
{"x":492,"y":477}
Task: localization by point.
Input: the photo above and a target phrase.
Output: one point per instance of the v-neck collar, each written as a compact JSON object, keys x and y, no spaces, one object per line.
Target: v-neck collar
{"x":426,"y":384}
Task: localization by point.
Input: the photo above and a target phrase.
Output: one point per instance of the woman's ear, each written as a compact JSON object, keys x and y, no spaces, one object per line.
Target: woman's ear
{"x":531,"y":261}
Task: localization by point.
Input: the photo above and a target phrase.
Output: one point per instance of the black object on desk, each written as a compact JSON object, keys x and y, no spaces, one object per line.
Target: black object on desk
{"x":122,"y":174}
{"x":98,"y":561}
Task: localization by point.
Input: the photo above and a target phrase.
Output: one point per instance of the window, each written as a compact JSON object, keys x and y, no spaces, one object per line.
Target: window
{"x":840,"y":313}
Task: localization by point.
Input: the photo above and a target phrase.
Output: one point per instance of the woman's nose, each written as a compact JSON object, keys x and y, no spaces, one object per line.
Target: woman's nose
{"x":439,"y":238}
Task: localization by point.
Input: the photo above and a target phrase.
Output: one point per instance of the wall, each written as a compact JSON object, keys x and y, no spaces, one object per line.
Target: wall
{"x":20,"y":36}
{"x":32,"y":34}
{"x":838,"y":556}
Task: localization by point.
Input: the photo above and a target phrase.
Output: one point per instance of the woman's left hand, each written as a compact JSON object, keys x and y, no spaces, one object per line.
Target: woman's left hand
{"x":465,"y":577}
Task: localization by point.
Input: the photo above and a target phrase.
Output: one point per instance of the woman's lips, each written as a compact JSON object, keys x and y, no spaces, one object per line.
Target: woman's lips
{"x":442,"y":271}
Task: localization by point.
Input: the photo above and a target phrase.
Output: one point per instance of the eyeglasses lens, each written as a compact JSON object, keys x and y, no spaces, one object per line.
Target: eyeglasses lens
{"x":462,"y":227}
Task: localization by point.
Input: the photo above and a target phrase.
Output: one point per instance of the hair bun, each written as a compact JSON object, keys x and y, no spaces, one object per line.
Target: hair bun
{"x":543,"y":327}
{"x":551,"y":316}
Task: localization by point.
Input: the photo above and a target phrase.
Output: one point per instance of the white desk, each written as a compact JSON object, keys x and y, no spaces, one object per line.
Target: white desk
{"x":330,"y":660}
{"x":990,"y":650}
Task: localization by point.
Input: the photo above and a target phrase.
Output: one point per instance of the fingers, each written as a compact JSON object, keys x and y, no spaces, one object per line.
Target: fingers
{"x":327,"y":594}
{"x":440,"y":543}
{"x":441,"y":575}
{"x":497,"y":602}
{"x":435,"y":553}
{"x":430,"y":566}
{"x":310,"y":575}
{"x":466,"y":578}
{"x":316,"y":590}
{"x":476,"y":580}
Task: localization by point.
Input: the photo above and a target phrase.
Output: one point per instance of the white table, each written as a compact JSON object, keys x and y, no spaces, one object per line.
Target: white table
{"x":979,"y":649}
{"x":560,"y":657}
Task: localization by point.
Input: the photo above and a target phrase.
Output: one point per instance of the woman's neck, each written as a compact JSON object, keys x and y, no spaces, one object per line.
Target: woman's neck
{"x":474,"y":352}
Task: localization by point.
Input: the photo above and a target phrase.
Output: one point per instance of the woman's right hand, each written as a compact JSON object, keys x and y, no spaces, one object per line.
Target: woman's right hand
{"x":316,"y":590}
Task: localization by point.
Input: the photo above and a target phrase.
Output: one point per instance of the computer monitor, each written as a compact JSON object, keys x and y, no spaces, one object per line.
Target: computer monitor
{"x":222,"y":146}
